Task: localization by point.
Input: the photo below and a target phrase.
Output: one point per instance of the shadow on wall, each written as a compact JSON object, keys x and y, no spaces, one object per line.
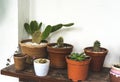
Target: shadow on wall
{"x":3,"y":9}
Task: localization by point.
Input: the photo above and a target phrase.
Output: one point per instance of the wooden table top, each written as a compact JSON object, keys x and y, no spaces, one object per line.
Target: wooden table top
{"x":54,"y":75}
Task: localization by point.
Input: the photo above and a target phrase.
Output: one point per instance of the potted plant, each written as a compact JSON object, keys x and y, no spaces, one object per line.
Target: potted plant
{"x":41,"y":66}
{"x":115,"y":73}
{"x":57,"y":52}
{"x":78,"y":65}
{"x":97,"y":54}
{"x":36,"y":47}
{"x":19,"y":61}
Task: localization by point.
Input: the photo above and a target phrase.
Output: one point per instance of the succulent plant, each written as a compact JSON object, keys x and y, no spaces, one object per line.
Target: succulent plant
{"x":117,"y":66}
{"x":78,"y":56}
{"x":96,"y":46}
{"x":60,"y":42}
{"x":32,"y":27}
{"x":37,"y":36}
{"x":42,"y":60}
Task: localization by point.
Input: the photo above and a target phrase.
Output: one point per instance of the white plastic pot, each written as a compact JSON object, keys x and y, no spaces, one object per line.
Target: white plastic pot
{"x":41,"y":69}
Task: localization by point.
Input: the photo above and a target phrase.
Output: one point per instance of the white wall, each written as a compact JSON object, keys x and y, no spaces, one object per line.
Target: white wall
{"x":94,"y":20}
{"x":8,"y":34}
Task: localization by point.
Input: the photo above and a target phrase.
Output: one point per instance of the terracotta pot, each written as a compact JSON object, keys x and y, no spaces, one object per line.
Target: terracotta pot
{"x":57,"y":55}
{"x":77,"y":70}
{"x":33,"y":50}
{"x":97,"y":61}
{"x":19,"y":62}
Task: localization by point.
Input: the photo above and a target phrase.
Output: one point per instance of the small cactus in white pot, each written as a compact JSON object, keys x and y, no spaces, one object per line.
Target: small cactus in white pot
{"x":41,"y":66}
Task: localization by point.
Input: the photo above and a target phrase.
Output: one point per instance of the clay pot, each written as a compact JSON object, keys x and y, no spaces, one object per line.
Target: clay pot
{"x":97,"y":61}
{"x":33,"y":50}
{"x":57,"y":55}
{"x":19,"y":62}
{"x":77,"y":70}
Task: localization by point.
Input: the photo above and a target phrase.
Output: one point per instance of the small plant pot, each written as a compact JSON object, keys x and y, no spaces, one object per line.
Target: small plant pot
{"x":97,"y":60}
{"x":19,"y":62}
{"x":77,"y":70}
{"x":33,"y":50}
{"x":57,"y":55}
{"x":115,"y":74}
{"x":41,"y":69}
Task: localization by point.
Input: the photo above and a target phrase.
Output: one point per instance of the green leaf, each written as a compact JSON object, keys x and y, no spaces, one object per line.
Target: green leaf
{"x":33,"y":26}
{"x":56,"y":27}
{"x":40,"y":25}
{"x":27,"y":28}
{"x":67,"y":25}
{"x":46,"y":33}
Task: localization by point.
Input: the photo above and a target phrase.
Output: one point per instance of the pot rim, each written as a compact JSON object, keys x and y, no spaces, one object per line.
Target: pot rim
{"x":86,"y":61}
{"x":52,"y":44}
{"x":23,"y":44}
{"x":35,"y":61}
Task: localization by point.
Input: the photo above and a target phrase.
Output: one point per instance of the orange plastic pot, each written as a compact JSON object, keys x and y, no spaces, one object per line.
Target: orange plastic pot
{"x":77,"y":70}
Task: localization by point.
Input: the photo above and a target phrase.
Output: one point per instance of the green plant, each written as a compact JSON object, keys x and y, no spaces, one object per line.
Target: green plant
{"x":37,"y":36}
{"x":9,"y":59}
{"x":60,"y":42}
{"x":117,"y":66}
{"x":96,"y":46}
{"x":78,"y":56}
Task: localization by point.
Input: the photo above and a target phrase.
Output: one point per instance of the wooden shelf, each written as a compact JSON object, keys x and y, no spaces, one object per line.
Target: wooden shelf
{"x":54,"y":75}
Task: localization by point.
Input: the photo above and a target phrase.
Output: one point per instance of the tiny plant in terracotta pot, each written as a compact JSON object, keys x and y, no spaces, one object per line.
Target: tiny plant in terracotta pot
{"x":36,"y":47}
{"x":97,"y":54}
{"x":78,"y":65}
{"x":19,"y":61}
{"x":57,"y":52}
{"x":41,"y":66}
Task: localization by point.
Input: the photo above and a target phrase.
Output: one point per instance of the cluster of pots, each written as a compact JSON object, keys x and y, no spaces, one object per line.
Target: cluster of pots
{"x":58,"y":58}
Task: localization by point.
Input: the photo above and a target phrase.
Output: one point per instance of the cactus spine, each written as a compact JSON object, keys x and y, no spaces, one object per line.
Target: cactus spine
{"x":96,"y":46}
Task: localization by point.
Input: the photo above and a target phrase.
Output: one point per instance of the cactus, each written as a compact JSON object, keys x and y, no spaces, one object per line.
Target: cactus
{"x":96,"y":46}
{"x":60,"y":42}
{"x":37,"y":36}
{"x":78,"y":56}
{"x":34,"y":30}
{"x":32,"y":27}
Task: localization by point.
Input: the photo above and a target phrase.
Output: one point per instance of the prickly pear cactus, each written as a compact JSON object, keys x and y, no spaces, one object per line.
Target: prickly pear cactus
{"x":36,"y":38}
{"x":60,"y":42}
{"x":96,"y":46}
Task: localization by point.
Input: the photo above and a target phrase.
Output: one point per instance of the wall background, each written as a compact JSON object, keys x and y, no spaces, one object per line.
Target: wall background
{"x":94,"y":20}
{"x":8,"y":34}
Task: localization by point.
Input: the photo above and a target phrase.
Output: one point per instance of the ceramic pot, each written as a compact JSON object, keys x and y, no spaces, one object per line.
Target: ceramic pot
{"x":19,"y":62}
{"x":98,"y":58}
{"x":41,"y":69}
{"x":57,"y":55}
{"x":115,"y":74}
{"x":77,"y":70}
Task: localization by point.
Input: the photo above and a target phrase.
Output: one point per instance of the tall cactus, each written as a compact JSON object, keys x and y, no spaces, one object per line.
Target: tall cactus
{"x":96,"y":46}
{"x":37,"y":36}
{"x":60,"y":42}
